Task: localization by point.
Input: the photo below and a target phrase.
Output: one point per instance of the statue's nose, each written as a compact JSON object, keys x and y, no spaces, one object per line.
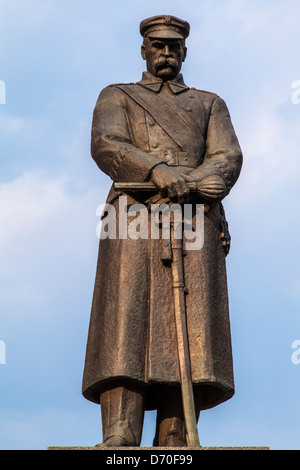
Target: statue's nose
{"x":166,"y":50}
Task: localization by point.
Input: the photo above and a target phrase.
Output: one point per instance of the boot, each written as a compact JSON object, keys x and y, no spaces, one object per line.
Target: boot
{"x":122,"y":411}
{"x":170,"y":422}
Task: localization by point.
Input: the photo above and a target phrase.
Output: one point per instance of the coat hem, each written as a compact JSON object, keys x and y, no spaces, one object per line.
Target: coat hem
{"x":213,"y":392}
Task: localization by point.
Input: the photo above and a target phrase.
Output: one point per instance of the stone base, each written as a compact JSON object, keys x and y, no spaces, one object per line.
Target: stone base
{"x":155,"y":449}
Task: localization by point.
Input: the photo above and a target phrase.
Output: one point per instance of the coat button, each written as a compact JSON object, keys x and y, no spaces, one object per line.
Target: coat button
{"x":189,"y":109}
{"x":155,"y":145}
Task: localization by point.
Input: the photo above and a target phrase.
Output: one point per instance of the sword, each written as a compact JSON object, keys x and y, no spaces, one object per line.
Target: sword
{"x":211,"y":187}
{"x":179,"y":292}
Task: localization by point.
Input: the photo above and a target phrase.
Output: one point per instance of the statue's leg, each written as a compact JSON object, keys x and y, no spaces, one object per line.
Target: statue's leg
{"x":122,"y":412}
{"x":170,"y":425}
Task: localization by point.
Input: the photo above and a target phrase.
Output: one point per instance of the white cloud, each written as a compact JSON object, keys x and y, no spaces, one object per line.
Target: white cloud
{"x":29,"y":202}
{"x":12,"y":126}
{"x":270,"y":144}
{"x":46,"y":234}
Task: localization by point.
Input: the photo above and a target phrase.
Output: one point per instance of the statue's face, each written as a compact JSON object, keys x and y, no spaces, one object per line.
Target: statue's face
{"x":164,"y":57}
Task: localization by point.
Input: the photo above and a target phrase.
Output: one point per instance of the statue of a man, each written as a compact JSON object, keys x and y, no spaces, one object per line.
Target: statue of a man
{"x":159,"y":130}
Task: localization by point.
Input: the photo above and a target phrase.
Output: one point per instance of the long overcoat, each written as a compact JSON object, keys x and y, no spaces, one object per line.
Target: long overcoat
{"x":132,"y":335}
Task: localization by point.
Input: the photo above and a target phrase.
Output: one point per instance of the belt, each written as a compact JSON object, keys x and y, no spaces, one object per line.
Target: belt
{"x":174,"y":157}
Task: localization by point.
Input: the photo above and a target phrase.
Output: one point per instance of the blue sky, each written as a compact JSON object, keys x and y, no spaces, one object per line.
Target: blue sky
{"x":55,"y":57}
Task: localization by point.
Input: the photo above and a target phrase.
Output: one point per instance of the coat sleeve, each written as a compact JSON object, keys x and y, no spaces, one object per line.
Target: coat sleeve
{"x":223,"y":156}
{"x":112,"y":145}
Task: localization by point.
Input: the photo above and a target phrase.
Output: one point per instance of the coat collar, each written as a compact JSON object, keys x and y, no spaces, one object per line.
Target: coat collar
{"x":155,"y":84}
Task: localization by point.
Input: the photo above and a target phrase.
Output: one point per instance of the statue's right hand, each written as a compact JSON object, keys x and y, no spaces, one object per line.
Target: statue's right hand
{"x":170,"y":183}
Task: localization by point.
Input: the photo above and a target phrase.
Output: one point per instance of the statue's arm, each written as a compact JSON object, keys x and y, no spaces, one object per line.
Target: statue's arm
{"x":112,"y":146}
{"x":223,"y":156}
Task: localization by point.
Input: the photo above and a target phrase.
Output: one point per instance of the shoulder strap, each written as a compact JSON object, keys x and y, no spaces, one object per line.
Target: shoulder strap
{"x":168,"y":118}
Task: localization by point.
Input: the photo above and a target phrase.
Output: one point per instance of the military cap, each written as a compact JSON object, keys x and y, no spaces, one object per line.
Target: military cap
{"x":165,"y":26}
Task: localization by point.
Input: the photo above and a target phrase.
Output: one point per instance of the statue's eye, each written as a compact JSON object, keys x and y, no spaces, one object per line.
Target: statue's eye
{"x":158,"y":45}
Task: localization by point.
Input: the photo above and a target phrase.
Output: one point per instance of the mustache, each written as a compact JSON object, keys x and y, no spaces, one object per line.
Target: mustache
{"x":163,"y":61}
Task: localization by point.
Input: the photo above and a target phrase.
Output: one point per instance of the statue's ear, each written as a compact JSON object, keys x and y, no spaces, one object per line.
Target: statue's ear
{"x":143,"y":53}
{"x":184,"y":54}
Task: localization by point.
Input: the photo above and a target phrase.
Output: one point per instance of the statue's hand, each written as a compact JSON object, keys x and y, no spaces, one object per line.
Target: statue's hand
{"x":211,"y":189}
{"x":170,"y":183}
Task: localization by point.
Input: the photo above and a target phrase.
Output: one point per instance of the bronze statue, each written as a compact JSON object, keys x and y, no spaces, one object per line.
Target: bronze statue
{"x":161,"y":141}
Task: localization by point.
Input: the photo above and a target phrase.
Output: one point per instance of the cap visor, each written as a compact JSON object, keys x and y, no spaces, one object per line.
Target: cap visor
{"x":165,"y":34}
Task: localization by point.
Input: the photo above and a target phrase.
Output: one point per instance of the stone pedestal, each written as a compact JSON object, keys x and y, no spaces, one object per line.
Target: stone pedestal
{"x":154,"y":450}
